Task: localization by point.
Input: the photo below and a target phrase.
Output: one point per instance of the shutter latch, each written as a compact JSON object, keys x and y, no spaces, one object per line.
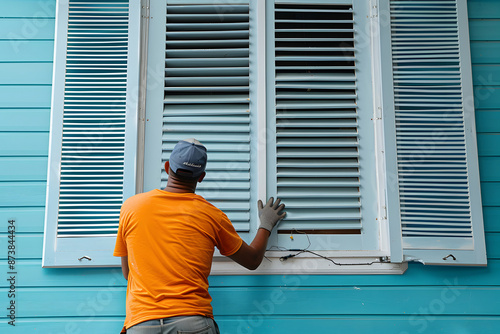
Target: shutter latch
{"x":451,"y":255}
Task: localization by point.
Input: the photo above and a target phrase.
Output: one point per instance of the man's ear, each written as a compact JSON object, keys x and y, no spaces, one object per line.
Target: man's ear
{"x":167,"y":166}
{"x":201,"y":177}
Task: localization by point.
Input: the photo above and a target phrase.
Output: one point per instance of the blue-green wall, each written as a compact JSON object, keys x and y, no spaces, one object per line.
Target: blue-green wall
{"x":423,"y":300}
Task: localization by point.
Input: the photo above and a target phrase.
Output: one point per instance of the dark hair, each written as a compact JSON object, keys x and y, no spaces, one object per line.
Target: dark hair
{"x":184,"y":175}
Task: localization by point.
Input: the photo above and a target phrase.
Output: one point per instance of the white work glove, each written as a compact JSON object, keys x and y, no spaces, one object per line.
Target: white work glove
{"x":270,"y":215}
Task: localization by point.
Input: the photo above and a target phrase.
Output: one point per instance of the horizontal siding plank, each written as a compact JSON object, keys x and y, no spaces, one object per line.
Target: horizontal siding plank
{"x":491,"y":221}
{"x":28,"y":246}
{"x":492,"y":245}
{"x":27,"y":28}
{"x":28,"y":8}
{"x":488,"y":121}
{"x":490,"y":193}
{"x":25,"y":96}
{"x":488,"y":169}
{"x":68,"y":302}
{"x":487,"y":98}
{"x":485,"y":52}
{"x":366,"y":300}
{"x":263,"y":322}
{"x":73,"y":325}
{"x":46,"y":302}
{"x":25,"y":119}
{"x":26,"y":51}
{"x":22,"y":194}
{"x":26,"y":73}
{"x":486,"y":75}
{"x":32,"y":274}
{"x":18,"y":144}
{"x":484,"y":30}
{"x":23,"y":169}
{"x":488,"y":144}
{"x":26,"y":219}
{"x":483,"y":9}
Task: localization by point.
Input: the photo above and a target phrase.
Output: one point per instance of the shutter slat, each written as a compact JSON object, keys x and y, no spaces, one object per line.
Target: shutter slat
{"x":218,"y":147}
{"x":317,"y":85}
{"x":297,"y":114}
{"x":288,"y":123}
{"x":321,"y":193}
{"x":205,"y":71}
{"x":313,"y":58}
{"x":315,"y":77}
{"x":207,"y":26}
{"x":312,"y":30}
{"x":298,"y":163}
{"x":205,"y":99}
{"x":217,"y":34}
{"x":315,"y":173}
{"x":219,"y":9}
{"x":312,"y":10}
{"x":315,"y":105}
{"x":325,"y":215}
{"x":188,"y":17}
{"x":315,"y":39}
{"x":311,"y":184}
{"x":341,"y":203}
{"x":219,"y":53}
{"x":204,"y":62}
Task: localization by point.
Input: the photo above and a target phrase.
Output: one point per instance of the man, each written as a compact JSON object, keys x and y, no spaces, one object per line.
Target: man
{"x":166,"y":240}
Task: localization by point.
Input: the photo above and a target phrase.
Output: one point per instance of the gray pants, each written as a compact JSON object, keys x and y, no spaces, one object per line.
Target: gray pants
{"x":195,"y":324}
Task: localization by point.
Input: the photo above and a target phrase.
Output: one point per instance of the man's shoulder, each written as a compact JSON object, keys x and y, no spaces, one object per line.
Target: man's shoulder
{"x":141,"y":195}
{"x":207,"y":203}
{"x":138,"y":198}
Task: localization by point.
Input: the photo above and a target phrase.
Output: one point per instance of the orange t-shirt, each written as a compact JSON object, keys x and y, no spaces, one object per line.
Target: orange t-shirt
{"x":169,"y":239}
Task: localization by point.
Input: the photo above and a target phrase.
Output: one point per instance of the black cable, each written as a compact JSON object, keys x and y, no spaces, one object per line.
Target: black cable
{"x":284,"y":258}
{"x":306,"y":250}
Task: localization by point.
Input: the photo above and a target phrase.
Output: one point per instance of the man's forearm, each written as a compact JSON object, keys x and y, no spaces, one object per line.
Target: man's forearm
{"x":250,"y":256}
{"x":259,"y":244}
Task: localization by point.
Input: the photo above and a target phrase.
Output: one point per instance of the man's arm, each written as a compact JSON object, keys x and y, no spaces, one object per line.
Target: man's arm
{"x":125,"y":266}
{"x":250,"y":256}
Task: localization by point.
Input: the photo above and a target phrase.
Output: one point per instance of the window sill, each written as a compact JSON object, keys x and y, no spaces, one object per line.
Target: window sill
{"x":308,"y":264}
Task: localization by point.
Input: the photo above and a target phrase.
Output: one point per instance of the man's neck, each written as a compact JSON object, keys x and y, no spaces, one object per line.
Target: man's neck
{"x":176,"y":186}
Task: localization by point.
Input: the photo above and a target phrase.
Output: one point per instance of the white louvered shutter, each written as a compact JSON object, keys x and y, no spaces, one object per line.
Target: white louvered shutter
{"x":93,"y":130}
{"x":321,"y":161}
{"x":207,"y":96}
{"x":437,"y":183}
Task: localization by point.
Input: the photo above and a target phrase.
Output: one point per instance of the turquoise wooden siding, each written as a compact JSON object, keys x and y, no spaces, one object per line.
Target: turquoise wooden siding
{"x":423,"y":300}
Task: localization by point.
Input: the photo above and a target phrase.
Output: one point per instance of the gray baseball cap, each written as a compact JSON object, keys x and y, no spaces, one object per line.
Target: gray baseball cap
{"x":189,"y":154}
